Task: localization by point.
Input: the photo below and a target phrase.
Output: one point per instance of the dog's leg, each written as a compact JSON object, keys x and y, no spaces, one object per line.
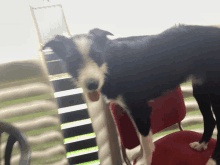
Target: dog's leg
{"x":211,"y":162}
{"x":140,"y":113}
{"x":203,"y":101}
{"x":148,"y":147}
{"x":215,"y":101}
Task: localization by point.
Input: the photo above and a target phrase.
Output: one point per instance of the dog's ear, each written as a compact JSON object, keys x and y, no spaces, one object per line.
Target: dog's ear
{"x":61,"y":46}
{"x":99,"y":38}
{"x":100,"y":33}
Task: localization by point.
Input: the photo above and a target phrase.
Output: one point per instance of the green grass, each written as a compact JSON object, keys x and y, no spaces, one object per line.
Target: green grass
{"x":189,"y":98}
{"x":39,"y":147}
{"x":44,"y":146}
{"x":59,"y":76}
{"x":31,"y":116}
{"x":27,"y":99}
{"x":42,"y":161}
{"x":88,"y":163}
{"x":82,"y":151}
{"x":13,"y":83}
{"x":196,"y":112}
{"x":34,"y":132}
{"x":195,"y":126}
{"x":186,"y":83}
{"x":78,"y":137}
{"x":42,"y":130}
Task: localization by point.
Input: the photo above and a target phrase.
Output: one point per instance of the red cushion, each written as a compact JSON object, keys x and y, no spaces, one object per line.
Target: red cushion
{"x":174,"y":149}
{"x":167,"y":110}
{"x":127,"y":133}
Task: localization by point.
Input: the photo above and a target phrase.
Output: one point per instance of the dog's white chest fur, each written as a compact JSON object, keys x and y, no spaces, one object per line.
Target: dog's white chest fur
{"x":119,"y":100}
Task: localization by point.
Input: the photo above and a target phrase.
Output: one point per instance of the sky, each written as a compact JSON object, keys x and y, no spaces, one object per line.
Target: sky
{"x":122,"y":18}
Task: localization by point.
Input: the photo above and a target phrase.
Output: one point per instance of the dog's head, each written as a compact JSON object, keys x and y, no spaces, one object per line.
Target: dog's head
{"x":84,"y":58}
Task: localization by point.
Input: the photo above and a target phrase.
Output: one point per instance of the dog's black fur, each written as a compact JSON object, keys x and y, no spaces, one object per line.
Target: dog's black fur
{"x":143,"y":68}
{"x":207,"y":95}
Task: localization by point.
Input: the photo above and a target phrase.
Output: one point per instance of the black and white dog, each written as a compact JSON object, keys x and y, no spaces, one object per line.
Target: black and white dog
{"x":132,"y":71}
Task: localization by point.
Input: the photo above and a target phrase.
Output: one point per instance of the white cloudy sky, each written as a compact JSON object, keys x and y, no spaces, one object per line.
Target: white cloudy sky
{"x":121,"y":17}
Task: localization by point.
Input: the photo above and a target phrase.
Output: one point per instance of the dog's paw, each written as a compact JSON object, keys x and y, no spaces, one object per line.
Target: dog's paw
{"x":199,"y":147}
{"x":211,"y":162}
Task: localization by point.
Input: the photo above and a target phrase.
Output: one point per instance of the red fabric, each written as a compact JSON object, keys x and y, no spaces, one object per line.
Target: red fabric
{"x":174,"y":149}
{"x":167,"y":110}
{"x":127,"y":133}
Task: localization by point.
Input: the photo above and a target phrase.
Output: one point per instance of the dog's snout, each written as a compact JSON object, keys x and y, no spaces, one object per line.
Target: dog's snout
{"x":92,"y":84}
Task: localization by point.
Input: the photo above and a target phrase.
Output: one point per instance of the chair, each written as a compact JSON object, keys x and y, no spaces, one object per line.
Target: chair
{"x":16,"y":135}
{"x":172,"y":149}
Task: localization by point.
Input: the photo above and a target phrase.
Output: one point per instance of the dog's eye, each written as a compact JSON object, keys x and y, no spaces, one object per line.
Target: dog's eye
{"x":72,"y":69}
{"x":97,"y":57}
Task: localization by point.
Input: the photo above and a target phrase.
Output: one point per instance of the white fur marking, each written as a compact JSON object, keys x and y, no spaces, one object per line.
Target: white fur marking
{"x":199,"y":147}
{"x":83,"y":45}
{"x":211,"y":162}
{"x":148,"y":147}
{"x":120,"y":101}
{"x":104,"y":68}
{"x":196,"y":80}
{"x":91,"y":70}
